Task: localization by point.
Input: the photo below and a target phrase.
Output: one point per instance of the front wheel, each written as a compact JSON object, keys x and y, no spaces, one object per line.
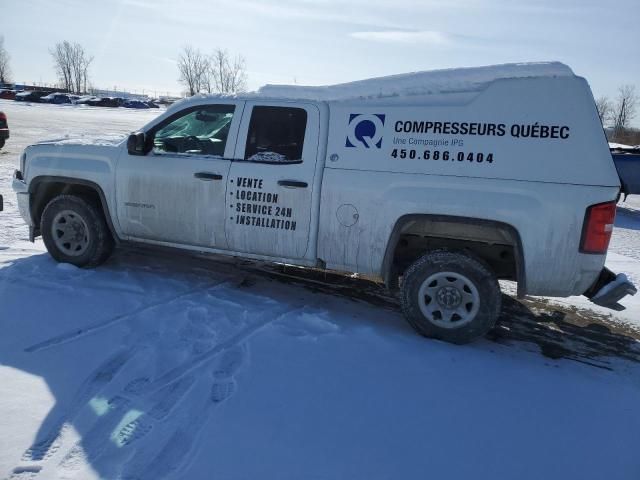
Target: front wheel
{"x":74,"y":231}
{"x":451,"y":296}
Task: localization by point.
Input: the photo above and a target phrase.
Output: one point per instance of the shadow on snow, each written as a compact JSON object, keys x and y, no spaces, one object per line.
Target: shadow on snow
{"x":160,"y":339}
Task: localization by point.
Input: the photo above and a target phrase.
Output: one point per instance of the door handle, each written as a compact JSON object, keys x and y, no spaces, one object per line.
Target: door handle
{"x":293,"y":183}
{"x":207,"y":176}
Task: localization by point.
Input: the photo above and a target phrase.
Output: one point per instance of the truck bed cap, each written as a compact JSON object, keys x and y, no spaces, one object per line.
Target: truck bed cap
{"x":454,"y":80}
{"x":395,"y":88}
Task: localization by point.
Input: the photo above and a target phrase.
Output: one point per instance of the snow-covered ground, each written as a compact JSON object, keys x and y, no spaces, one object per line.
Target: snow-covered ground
{"x":165,"y":366}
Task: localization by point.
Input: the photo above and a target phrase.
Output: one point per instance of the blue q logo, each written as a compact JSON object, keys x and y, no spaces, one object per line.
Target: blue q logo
{"x":365,"y":130}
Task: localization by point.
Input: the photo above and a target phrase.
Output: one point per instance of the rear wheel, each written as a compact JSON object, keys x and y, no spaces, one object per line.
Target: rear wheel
{"x":2,"y":142}
{"x":451,"y":296}
{"x":74,"y":231}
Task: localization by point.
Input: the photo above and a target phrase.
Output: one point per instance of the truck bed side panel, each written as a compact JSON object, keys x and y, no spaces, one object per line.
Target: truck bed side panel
{"x":527,"y":152}
{"x":548,"y":218}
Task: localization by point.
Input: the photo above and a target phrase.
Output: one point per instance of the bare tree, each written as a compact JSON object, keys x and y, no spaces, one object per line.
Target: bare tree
{"x":218,"y":72}
{"x":194,"y":69}
{"x":228,"y":75}
{"x":62,"y":63}
{"x":72,"y":63}
{"x":5,"y":70}
{"x":624,"y":110}
{"x":604,"y":107}
{"x":81,"y":62}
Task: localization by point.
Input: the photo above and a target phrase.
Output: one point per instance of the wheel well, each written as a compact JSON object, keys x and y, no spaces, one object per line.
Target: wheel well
{"x":496,"y":244}
{"x":43,"y":190}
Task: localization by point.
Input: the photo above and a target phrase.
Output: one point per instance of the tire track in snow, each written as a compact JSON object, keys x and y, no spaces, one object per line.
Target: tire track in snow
{"x":24,"y":473}
{"x":127,"y":422}
{"x":173,"y":454}
{"x":145,"y":458}
{"x":185,"y":368}
{"x":48,"y":444}
{"x":53,"y":284}
{"x":117,"y":437}
{"x":110,"y":444}
{"x":161,"y":460}
{"x":90,"y":329}
{"x":98,"y":380}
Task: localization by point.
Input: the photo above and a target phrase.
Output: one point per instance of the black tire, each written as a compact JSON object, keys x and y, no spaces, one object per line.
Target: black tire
{"x":2,"y":142}
{"x":470,"y":273}
{"x":98,"y":239}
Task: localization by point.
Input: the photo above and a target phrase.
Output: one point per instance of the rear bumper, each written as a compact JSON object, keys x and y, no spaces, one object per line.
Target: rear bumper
{"x":4,"y":133}
{"x":609,"y":289}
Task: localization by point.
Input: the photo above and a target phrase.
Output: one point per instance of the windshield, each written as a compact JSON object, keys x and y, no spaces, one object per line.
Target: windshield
{"x":201,"y":123}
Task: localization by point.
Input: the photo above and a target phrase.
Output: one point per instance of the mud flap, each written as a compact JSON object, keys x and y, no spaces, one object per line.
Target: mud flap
{"x":609,"y":289}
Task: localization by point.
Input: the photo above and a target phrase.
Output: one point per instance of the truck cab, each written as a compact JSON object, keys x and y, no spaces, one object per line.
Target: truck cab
{"x":213,"y":173}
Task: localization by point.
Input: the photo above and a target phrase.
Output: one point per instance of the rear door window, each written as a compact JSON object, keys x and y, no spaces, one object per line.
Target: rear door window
{"x":276,"y":135}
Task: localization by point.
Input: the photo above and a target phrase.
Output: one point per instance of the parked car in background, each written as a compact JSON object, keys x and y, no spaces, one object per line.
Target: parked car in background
{"x":56,"y":98}
{"x":8,"y":94}
{"x":135,"y":104}
{"x":30,"y":96}
{"x":4,"y":129}
{"x":104,"y":102}
{"x":627,"y":162}
{"x":152,"y":104}
{"x":85,"y":99}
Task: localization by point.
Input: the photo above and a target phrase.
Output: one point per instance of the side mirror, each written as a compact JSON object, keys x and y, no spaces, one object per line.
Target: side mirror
{"x":136,"y":143}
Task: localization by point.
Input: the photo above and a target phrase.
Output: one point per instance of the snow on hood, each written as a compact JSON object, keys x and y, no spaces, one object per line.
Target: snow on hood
{"x":455,"y":80}
{"x":108,"y":141}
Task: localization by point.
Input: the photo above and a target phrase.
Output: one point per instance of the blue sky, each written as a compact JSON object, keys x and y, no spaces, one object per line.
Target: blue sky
{"x":136,"y":42}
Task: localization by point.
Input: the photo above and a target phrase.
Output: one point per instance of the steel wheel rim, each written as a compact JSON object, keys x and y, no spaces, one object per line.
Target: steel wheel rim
{"x":70,"y":233}
{"x":448,"y":300}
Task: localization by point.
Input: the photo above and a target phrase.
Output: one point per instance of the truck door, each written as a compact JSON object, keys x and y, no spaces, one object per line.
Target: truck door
{"x":270,"y":188}
{"x":176,"y":192}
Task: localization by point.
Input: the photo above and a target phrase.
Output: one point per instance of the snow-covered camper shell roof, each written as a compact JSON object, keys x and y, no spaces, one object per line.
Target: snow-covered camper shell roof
{"x":434,"y":82}
{"x":397,"y":89}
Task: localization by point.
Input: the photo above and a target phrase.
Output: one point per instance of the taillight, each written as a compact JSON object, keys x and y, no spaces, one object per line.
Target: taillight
{"x":597,"y":228}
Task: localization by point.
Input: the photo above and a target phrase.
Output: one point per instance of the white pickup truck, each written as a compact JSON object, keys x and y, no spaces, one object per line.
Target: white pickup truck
{"x":435,"y":183}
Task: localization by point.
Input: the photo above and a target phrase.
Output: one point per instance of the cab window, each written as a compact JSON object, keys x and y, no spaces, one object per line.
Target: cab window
{"x":276,"y":135}
{"x":199,"y":131}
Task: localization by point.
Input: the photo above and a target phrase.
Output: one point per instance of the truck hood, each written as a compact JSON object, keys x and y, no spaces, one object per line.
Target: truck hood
{"x":88,"y":158}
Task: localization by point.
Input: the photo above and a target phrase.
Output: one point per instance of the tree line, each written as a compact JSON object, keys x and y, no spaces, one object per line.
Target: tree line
{"x":218,"y":72}
{"x":617,"y":115}
{"x":5,"y":70}
{"x":71,"y":62}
